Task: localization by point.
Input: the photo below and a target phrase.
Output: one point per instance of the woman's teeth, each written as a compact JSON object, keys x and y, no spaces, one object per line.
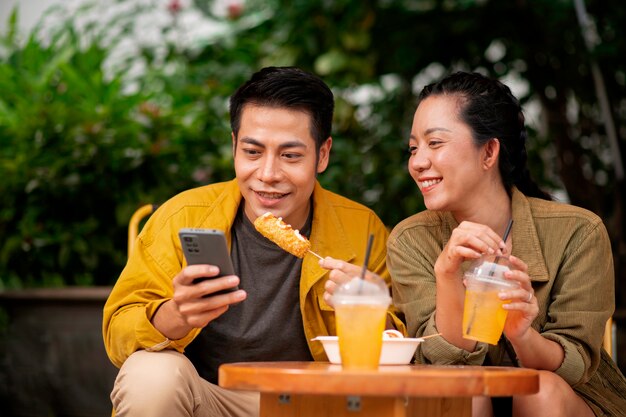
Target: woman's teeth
{"x":430,"y":183}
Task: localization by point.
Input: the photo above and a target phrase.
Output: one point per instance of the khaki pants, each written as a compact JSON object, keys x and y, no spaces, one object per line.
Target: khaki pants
{"x":166,"y":383}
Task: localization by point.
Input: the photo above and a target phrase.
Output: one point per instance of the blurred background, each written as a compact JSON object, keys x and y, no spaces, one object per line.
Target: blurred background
{"x":108,"y":105}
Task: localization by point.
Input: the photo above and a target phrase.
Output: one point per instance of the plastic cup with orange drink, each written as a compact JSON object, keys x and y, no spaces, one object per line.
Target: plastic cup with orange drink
{"x":360,"y":314}
{"x":483,"y":314}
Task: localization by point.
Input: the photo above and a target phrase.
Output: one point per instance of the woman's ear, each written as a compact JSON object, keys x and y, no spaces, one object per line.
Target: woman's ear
{"x":491,"y":151}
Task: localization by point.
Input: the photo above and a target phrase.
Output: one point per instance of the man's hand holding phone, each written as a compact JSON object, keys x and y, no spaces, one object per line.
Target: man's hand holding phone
{"x":203,"y":289}
{"x":200,"y":300}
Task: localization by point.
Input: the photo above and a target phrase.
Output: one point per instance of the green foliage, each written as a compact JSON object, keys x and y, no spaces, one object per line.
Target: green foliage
{"x":84,"y":143}
{"x":78,"y":154}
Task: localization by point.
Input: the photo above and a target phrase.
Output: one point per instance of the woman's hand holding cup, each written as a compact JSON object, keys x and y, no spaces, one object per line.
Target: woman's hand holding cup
{"x":523,"y":308}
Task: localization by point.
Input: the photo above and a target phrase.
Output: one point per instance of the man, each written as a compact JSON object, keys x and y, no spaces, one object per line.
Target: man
{"x":168,"y":334}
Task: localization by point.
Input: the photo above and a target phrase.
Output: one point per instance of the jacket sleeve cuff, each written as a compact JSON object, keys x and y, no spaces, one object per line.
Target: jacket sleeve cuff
{"x":438,"y":351}
{"x":397,"y":323}
{"x":572,"y":368}
{"x":150,"y":339}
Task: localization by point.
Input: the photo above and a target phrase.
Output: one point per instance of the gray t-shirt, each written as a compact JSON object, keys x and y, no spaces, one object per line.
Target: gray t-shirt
{"x":267,"y":326}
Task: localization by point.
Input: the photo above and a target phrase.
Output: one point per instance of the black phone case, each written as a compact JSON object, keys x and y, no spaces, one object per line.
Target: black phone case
{"x":207,"y":246}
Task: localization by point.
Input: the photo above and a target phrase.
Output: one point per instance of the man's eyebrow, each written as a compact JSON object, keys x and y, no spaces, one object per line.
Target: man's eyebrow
{"x":251,"y":141}
{"x":289,"y":144}
{"x":292,"y":144}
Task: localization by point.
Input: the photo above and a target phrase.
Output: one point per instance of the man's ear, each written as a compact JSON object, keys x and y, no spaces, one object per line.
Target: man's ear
{"x":491,"y":151}
{"x":324,"y":155}
{"x":232,"y":135}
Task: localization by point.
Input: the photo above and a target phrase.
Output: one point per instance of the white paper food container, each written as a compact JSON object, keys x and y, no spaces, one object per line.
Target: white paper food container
{"x":395,"y":351}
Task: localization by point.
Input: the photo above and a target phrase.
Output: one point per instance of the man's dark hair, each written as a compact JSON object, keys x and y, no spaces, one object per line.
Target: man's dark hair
{"x":288,"y":88}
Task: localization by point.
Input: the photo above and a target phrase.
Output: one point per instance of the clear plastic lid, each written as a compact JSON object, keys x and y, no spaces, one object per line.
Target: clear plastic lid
{"x":371,"y":290}
{"x":491,"y":269}
{"x":490,"y":266}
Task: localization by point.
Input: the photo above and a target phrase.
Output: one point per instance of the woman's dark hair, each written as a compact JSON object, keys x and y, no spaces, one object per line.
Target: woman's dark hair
{"x":290,"y":88}
{"x":491,"y":111}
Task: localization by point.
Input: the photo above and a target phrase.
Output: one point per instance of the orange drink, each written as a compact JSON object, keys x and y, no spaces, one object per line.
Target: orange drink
{"x":483,"y":316}
{"x":360,"y":330}
{"x":360,"y":313}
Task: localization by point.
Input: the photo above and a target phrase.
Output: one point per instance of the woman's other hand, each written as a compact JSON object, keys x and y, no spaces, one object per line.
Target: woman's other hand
{"x":468,"y":241}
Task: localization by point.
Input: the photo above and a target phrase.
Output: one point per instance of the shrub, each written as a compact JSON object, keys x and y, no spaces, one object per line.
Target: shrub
{"x":80,"y":152}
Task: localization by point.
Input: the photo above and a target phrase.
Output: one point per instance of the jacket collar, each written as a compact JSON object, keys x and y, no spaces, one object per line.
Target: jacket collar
{"x":526,"y":243}
{"x":222,"y":212}
{"x":328,"y":238}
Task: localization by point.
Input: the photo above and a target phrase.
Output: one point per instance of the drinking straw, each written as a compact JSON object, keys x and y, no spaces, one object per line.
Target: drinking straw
{"x":504,"y":238}
{"x":507,"y":231}
{"x":368,"y":250}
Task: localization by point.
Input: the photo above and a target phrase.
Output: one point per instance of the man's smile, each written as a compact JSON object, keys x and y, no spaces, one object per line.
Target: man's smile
{"x":270,"y":195}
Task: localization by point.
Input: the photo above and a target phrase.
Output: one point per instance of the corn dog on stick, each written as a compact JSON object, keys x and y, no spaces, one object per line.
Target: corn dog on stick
{"x":276,"y":230}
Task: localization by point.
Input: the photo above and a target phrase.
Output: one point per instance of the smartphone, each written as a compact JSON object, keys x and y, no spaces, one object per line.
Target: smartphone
{"x":207,"y":246}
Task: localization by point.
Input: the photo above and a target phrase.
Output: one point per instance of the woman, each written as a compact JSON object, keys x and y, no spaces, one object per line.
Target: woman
{"x":468,"y":158}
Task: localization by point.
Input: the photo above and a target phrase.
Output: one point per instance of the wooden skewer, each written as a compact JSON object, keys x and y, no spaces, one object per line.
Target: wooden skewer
{"x":315,"y":254}
{"x":430,"y":335}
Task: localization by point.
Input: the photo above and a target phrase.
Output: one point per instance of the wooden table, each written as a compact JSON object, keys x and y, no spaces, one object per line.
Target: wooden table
{"x":321,"y":389}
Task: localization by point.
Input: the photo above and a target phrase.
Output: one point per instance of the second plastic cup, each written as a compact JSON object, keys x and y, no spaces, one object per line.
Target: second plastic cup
{"x":360,"y":313}
{"x":483,"y":315}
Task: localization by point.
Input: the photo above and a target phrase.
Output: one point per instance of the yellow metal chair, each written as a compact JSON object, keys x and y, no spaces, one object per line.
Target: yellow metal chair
{"x":135,"y":220}
{"x":133,"y":231}
{"x":607,"y":343}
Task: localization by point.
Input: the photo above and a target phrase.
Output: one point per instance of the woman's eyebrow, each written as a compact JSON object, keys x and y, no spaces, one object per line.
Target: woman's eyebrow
{"x":435,"y":129}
